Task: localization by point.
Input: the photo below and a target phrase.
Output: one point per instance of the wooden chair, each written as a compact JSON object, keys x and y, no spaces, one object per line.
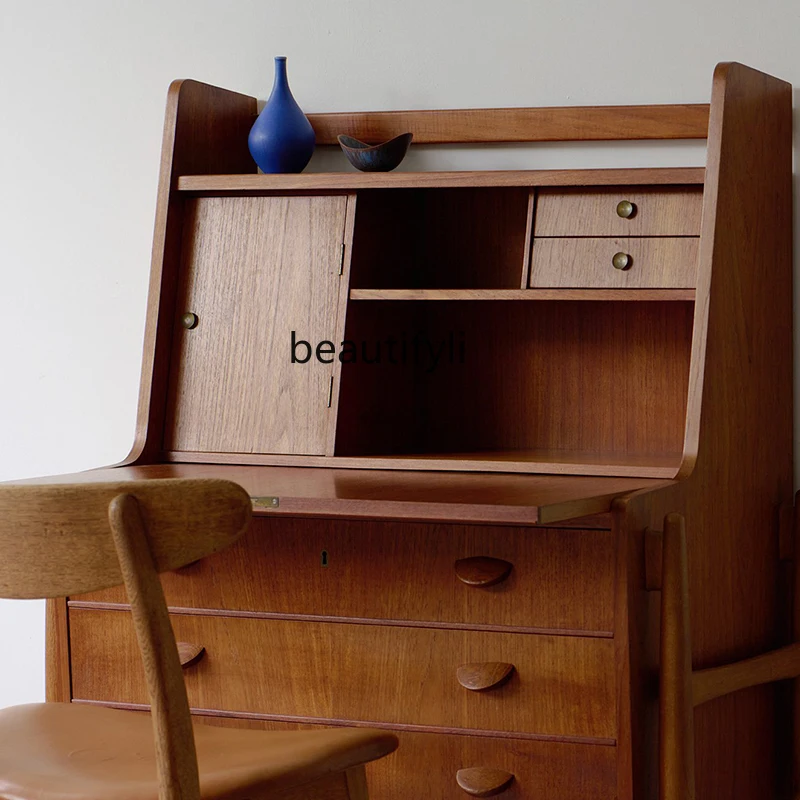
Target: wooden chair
{"x":69,"y":539}
{"x":681,"y":689}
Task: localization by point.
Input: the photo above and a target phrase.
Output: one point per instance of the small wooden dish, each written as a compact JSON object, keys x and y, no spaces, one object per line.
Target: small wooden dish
{"x":377,"y":157}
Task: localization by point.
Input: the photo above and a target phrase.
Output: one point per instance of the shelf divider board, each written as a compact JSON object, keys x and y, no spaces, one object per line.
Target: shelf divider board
{"x":347,"y":181}
{"x":524,"y":294}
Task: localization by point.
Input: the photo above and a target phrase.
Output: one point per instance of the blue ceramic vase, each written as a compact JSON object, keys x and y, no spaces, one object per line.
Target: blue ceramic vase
{"x":281,"y":139}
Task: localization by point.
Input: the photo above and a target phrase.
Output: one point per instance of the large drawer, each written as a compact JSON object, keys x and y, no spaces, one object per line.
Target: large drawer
{"x":650,"y":212}
{"x":594,"y":263}
{"x":425,"y":765}
{"x":562,"y":579}
{"x":562,"y":686}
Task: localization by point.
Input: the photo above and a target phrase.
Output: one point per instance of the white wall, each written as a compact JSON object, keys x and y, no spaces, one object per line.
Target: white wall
{"x":81,"y":103}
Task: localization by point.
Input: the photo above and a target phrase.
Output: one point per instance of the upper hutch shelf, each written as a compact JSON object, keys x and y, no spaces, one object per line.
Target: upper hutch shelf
{"x":353,"y":181}
{"x":571,"y":304}
{"x":632,"y":295}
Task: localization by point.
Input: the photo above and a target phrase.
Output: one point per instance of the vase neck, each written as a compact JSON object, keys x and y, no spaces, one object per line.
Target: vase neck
{"x":281,"y":83}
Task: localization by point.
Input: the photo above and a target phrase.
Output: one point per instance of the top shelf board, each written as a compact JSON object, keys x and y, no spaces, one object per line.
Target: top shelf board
{"x":379,"y":494}
{"x":490,"y":125}
{"x":350,"y":181}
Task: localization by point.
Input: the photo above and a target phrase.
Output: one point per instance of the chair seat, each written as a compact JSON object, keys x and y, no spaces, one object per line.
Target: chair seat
{"x":61,"y":751}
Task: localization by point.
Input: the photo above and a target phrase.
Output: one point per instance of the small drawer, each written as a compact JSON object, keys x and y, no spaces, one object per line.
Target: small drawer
{"x":619,"y":212}
{"x":561,"y":686}
{"x":559,"y":579}
{"x":426,"y":764}
{"x":614,"y":263}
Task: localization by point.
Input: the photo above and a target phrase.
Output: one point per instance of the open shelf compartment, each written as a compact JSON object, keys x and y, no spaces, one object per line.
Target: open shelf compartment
{"x":467,"y":238}
{"x":572,"y":387}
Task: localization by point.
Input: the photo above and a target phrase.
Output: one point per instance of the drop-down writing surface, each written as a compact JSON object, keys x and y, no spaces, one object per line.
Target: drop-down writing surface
{"x":412,"y":495}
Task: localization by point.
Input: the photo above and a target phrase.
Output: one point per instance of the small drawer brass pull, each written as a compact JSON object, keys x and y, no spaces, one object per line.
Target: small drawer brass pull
{"x":626,"y":209}
{"x":482,"y":570}
{"x":189,"y":321}
{"x":484,"y":675}
{"x":621,"y":260}
{"x":484,"y":781}
{"x":190,"y":654}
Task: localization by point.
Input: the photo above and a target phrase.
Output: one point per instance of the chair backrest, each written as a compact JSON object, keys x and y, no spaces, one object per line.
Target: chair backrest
{"x":57,"y":540}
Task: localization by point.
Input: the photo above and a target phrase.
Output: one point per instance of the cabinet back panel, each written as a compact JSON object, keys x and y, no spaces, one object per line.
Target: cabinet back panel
{"x":580,"y":377}
{"x":440,"y":239}
{"x":254,"y":269}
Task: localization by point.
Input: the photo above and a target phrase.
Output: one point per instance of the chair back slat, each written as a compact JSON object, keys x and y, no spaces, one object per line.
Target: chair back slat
{"x":55,"y":540}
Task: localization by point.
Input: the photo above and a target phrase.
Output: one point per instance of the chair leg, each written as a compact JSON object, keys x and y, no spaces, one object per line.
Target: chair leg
{"x":357,"y":783}
{"x":676,"y":715}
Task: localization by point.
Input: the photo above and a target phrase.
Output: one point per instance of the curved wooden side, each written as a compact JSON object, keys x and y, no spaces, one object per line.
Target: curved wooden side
{"x":205,"y":132}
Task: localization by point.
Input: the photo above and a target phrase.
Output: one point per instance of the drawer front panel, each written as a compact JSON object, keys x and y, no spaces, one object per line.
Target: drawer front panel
{"x":589,"y":263}
{"x":653,"y":212}
{"x":560,"y":579}
{"x":425,"y":765}
{"x":562,"y":685}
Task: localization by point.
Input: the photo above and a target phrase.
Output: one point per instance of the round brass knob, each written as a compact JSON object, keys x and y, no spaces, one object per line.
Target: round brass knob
{"x":621,"y":261}
{"x":189,"y":320}
{"x":625,"y":209}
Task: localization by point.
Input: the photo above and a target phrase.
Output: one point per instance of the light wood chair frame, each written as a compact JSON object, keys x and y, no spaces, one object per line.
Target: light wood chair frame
{"x":74,"y":538}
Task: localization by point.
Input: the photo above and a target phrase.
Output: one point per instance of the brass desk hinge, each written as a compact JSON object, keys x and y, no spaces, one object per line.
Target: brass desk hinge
{"x":265,"y":503}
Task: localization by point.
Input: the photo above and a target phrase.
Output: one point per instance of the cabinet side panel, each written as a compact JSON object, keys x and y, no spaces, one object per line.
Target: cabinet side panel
{"x":744,"y":434}
{"x":205,"y":132}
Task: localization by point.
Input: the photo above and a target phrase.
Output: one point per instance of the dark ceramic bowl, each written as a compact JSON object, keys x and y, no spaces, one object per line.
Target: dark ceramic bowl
{"x":376,"y":157}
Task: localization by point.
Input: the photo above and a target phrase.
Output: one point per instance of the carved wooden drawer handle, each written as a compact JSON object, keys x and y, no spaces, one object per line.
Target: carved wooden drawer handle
{"x":482,"y":570}
{"x":190,"y":653}
{"x":483,"y":675}
{"x":484,"y":781}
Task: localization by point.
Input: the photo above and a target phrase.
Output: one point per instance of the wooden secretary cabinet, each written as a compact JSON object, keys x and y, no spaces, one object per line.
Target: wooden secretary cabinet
{"x":467,"y":552}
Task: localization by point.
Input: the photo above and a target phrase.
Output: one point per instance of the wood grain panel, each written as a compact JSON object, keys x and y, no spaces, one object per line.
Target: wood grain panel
{"x":561,"y":579}
{"x":575,"y":386}
{"x":254,"y":271}
{"x":205,"y":132}
{"x":665,"y":211}
{"x":532,"y":295}
{"x":657,"y":263}
{"x":562,"y":686}
{"x":557,"y":124}
{"x":425,"y":765}
{"x":356,"y":181}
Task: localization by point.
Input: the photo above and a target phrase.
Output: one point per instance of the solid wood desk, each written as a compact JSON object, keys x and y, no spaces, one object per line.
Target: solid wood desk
{"x":469,"y":555}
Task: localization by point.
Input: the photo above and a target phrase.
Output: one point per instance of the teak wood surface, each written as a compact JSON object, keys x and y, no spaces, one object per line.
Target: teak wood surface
{"x":673,"y":211}
{"x":541,"y":769}
{"x":481,"y":125}
{"x":288,"y":668}
{"x":655,"y":263}
{"x":245,"y":184}
{"x":284,"y":248}
{"x":691,"y":387}
{"x":560,"y":581}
